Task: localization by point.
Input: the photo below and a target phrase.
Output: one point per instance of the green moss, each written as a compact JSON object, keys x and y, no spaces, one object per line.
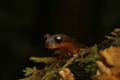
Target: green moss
{"x":51,"y":71}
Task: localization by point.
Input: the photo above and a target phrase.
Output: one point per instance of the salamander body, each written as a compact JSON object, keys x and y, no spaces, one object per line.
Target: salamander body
{"x":64,"y":42}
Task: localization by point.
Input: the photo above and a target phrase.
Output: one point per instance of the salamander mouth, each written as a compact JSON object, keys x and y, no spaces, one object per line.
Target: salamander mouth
{"x":50,"y":46}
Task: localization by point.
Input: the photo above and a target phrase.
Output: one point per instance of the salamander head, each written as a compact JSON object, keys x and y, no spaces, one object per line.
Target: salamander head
{"x":58,"y":41}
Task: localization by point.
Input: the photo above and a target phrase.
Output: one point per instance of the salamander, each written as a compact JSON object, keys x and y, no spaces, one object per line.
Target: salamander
{"x":64,"y":42}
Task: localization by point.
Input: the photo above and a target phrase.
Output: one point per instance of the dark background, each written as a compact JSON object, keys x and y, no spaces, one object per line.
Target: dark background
{"x":23,"y":24}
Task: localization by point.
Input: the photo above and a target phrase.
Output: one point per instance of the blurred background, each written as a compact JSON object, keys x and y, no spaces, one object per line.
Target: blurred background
{"x":23,"y":24}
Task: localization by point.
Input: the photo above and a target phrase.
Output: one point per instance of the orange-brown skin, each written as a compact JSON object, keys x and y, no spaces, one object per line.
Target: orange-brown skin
{"x":64,"y":42}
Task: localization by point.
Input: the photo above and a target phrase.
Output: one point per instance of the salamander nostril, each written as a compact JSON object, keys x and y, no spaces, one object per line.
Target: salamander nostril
{"x":46,"y":36}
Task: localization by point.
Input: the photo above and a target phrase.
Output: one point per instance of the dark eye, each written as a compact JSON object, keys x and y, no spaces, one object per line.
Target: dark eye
{"x":58,"y":39}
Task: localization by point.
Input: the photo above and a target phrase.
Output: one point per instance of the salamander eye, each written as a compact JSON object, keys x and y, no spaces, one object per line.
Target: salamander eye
{"x":58,"y":39}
